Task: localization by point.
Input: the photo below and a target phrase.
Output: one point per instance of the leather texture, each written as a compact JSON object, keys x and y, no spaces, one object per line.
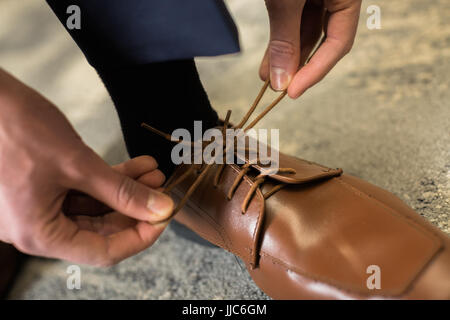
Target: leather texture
{"x":316,"y":237}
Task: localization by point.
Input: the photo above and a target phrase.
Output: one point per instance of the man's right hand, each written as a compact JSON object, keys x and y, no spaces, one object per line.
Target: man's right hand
{"x":41,"y":159}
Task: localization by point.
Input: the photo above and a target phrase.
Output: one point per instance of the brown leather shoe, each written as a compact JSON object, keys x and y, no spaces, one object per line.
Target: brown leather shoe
{"x":317,"y":237}
{"x":312,"y":232}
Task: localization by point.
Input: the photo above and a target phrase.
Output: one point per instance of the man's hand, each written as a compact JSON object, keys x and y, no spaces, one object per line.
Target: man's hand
{"x":41,"y":159}
{"x":295,"y":28}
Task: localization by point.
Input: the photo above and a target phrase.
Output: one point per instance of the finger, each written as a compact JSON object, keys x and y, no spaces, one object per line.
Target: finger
{"x":136,"y":167}
{"x":154,"y":179}
{"x":284,"y":44}
{"x":119,"y":191}
{"x":310,"y":31}
{"x":104,"y":225}
{"x":341,"y":32}
{"x":86,"y":247}
{"x":78,"y":203}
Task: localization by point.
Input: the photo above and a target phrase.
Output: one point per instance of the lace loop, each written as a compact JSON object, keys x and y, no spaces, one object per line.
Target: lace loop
{"x":259,"y":180}
{"x":204,"y":168}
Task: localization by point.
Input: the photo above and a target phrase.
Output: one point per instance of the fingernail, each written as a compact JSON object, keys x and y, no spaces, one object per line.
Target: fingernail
{"x":160,"y":204}
{"x":279,"y":78}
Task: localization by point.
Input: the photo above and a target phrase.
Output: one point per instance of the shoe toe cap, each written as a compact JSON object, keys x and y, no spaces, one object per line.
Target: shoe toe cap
{"x":333,"y":230}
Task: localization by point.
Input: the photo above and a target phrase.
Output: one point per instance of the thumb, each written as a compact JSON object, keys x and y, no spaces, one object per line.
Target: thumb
{"x":122,"y":193}
{"x":284,"y":45}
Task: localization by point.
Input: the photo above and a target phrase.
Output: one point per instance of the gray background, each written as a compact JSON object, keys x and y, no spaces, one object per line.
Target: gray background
{"x":382,"y":114}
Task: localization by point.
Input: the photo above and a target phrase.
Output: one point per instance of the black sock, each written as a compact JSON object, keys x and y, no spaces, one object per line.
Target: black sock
{"x":167,"y":96}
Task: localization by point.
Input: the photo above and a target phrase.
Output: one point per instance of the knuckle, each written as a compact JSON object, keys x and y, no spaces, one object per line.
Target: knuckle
{"x":282,"y":47}
{"x":125,"y":192}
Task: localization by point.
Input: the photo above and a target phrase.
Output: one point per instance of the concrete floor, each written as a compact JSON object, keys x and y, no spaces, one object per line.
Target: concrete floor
{"x":383,"y":114}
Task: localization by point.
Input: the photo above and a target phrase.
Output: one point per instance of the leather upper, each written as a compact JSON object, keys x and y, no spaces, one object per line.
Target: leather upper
{"x":324,"y":228}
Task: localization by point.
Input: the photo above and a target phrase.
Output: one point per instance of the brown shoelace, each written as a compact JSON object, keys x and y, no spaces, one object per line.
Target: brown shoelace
{"x":204,"y":168}
{"x":245,"y":168}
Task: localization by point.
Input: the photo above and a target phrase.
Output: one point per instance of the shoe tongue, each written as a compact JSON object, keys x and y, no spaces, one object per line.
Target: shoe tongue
{"x":305,"y":171}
